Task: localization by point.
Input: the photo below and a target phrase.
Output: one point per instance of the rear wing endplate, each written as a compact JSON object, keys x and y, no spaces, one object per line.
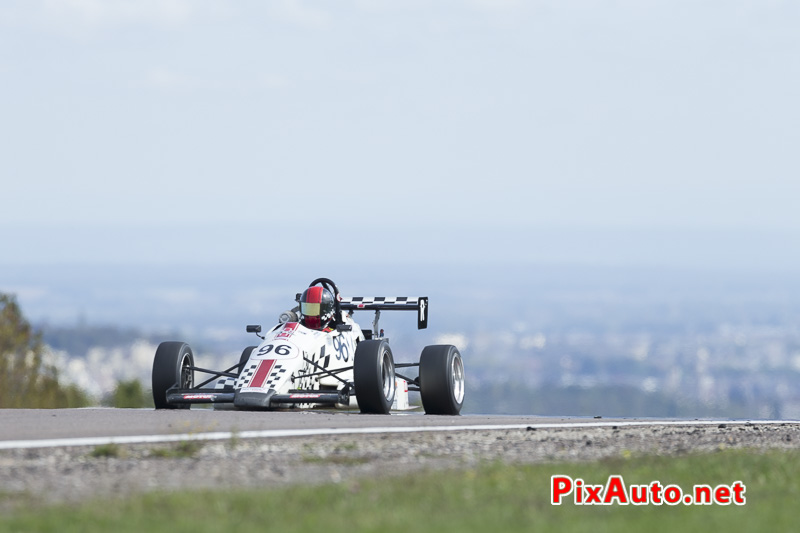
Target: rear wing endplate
{"x":390,"y":303}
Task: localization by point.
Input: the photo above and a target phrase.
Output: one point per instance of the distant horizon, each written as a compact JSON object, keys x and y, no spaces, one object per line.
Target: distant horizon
{"x":360,"y":243}
{"x":155,"y":297}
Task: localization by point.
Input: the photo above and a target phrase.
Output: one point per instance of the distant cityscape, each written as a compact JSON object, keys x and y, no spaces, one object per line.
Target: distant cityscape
{"x":539,"y":340}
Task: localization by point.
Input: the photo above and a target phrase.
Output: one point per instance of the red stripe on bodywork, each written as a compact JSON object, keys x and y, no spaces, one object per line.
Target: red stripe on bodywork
{"x":262,"y":372}
{"x":287,"y":331}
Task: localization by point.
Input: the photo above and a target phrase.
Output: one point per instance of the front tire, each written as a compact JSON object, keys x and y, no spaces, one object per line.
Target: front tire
{"x":245,"y":357}
{"x":441,"y":380}
{"x":373,"y":376}
{"x":172,"y":366}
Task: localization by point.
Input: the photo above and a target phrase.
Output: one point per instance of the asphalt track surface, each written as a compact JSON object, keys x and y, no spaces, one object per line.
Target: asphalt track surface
{"x":21,"y":428}
{"x":36,"y":424}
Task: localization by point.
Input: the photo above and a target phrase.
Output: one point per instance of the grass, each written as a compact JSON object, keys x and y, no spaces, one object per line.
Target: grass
{"x":493,"y":497}
{"x":336,"y":460}
{"x":183,"y":449}
{"x":338,"y":457}
{"x":111,"y":450}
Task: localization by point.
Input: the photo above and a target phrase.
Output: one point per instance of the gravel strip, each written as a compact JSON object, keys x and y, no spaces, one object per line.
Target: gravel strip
{"x":53,"y":475}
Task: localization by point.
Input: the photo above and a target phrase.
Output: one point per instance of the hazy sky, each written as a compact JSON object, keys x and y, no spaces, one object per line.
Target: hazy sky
{"x":161,"y":130}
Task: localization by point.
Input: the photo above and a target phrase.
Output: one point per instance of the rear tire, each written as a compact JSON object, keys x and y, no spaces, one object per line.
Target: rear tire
{"x":441,"y":380}
{"x":373,"y":376}
{"x":172,"y":366}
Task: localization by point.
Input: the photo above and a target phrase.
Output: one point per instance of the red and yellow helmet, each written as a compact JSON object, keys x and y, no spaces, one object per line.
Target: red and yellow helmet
{"x":316,"y":307}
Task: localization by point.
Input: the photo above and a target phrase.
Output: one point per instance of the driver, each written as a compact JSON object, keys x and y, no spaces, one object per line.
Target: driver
{"x":316,"y":308}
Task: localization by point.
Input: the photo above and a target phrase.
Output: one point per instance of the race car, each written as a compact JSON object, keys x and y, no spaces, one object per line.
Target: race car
{"x":317,"y":356}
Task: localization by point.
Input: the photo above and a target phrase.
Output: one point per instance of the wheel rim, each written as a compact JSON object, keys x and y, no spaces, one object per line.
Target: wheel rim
{"x":387,"y":375}
{"x":187,"y":376}
{"x":457,"y":371}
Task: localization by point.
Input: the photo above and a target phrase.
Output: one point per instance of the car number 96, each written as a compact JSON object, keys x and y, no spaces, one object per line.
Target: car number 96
{"x":279,"y":350}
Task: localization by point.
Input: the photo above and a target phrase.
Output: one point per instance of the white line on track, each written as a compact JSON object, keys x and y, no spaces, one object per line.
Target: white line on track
{"x":275,"y":433}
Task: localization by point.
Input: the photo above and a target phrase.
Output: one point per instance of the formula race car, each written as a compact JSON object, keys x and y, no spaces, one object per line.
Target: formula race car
{"x":318,"y":356}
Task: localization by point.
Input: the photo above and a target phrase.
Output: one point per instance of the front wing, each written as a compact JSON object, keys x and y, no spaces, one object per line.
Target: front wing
{"x":256,"y":400}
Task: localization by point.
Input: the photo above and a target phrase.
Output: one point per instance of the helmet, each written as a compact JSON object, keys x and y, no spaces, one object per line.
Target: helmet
{"x":316,"y":307}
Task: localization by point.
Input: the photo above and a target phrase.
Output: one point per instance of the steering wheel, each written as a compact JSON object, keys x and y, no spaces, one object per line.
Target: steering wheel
{"x":331,"y":286}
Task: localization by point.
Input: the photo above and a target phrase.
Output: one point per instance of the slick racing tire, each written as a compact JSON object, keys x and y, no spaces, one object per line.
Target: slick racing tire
{"x":373,"y":376}
{"x":172,"y":366}
{"x":441,"y":380}
{"x":244,"y":358}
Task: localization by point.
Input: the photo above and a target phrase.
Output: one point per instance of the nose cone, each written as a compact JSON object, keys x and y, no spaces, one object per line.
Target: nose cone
{"x":252,"y":400}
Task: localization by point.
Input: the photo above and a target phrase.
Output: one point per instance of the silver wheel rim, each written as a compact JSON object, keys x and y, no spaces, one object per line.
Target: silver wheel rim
{"x":187,"y":376}
{"x":457,"y":371}
{"x":387,"y":376}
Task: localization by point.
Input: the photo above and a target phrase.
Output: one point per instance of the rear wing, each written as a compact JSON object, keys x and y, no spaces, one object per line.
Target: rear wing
{"x":389,"y":303}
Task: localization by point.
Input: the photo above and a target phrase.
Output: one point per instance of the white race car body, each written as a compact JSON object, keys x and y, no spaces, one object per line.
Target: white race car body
{"x":295,"y":366}
{"x":294,"y":358}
